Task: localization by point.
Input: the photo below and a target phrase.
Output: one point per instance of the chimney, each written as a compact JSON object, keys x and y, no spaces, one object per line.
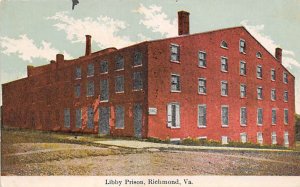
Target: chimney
{"x":59,"y":58}
{"x":29,"y":70}
{"x":278,"y":54}
{"x":183,"y":23}
{"x":88,"y":45}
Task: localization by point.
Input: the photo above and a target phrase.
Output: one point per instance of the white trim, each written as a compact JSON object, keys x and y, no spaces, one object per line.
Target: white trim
{"x":201,"y":126}
{"x":243,"y":62}
{"x":140,"y":65}
{"x":177,"y":75}
{"x":199,"y":86}
{"x":243,"y":134}
{"x":224,"y":142}
{"x":245,"y":87}
{"x":258,"y":139}
{"x":202,"y":138}
{"x":273,"y":134}
{"x":226,"y":88}
{"x":224,"y":57}
{"x":119,"y":69}
{"x":174,"y":139}
{"x":170,"y":125}
{"x":204,"y":59}
{"x":224,"y":47}
{"x":243,"y":52}
{"x":261,"y":72}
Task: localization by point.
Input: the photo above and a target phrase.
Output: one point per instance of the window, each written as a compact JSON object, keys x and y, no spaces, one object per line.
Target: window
{"x":104,"y":90}
{"x":285,"y":78}
{"x":260,"y":138}
{"x":243,"y":70}
{"x":274,"y":138}
{"x":243,"y":137}
{"x":259,"y":116}
{"x":259,"y":72}
{"x":258,"y":55}
{"x":175,"y":83}
{"x":202,"y":86}
{"x":243,"y":114}
{"x":286,"y":116}
{"x":274,"y":116}
{"x":242,"y":46}
{"x":119,"y":84}
{"x":224,"y":44}
{"x":273,"y":74}
{"x":273,"y":94}
{"x":119,"y":62}
{"x":90,"y":122}
{"x":173,"y":112}
{"x":224,"y":140}
{"x":90,"y":88}
{"x":224,"y":115}
{"x":90,"y":70}
{"x":67,"y":117}
{"x":243,"y":90}
{"x":137,"y":81}
{"x":224,"y":64}
{"x":120,"y":117}
{"x":138,"y":59}
{"x":285,"y":96}
{"x":286,"y":139}
{"x":175,"y":51}
{"x":103,"y":67}
{"x":224,"y":88}
{"x":77,"y":90}
{"x":78,"y":117}
{"x":202,"y":59}
{"x":201,"y":115}
{"x":259,"y":93}
{"x":77,"y":73}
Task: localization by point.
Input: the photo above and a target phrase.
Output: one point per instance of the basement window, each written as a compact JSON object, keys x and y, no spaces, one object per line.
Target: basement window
{"x":259,"y":138}
{"x":173,"y":115}
{"x":243,"y":137}
{"x":224,"y":140}
{"x":175,"y":53}
{"x":274,"y":138}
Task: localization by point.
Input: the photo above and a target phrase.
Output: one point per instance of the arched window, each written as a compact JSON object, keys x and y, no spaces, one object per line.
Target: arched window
{"x":224,"y":44}
{"x":258,"y":55}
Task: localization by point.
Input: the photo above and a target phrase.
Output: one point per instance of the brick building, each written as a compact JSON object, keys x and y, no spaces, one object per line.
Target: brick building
{"x":222,"y":85}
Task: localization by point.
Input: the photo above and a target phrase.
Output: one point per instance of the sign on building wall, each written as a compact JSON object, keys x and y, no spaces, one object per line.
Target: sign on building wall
{"x":152,"y":111}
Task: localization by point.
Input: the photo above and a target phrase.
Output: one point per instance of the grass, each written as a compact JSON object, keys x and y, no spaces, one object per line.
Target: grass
{"x":297,"y":146}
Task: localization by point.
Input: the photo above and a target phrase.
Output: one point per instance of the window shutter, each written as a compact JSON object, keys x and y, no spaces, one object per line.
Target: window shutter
{"x":169,"y":115}
{"x":177,"y":115}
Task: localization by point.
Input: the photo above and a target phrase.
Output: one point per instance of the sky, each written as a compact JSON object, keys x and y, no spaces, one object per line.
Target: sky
{"x":32,"y":32}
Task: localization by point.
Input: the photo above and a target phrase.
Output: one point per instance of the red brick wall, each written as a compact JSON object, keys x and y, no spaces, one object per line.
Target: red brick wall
{"x":160,"y":69}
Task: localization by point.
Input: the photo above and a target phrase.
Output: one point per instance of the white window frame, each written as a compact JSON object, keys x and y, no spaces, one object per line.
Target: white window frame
{"x":245,"y":90}
{"x":205,"y":87}
{"x":205,"y":116}
{"x":273,"y":135}
{"x":273,"y":97}
{"x":262,"y":117}
{"x":178,"y":53}
{"x":286,"y":116}
{"x":179,"y":82}
{"x":275,"y":121}
{"x":222,"y":44}
{"x":226,"y":64}
{"x":285,"y":78}
{"x":177,"y":115}
{"x":243,"y":124}
{"x":205,"y":59}
{"x":224,"y":140}
{"x":241,"y":137}
{"x":225,"y":125}
{"x":273,"y":78}
{"x":225,"y":82}
{"x":259,"y":75}
{"x":244,"y":73}
{"x":244,"y":48}
{"x":259,"y":96}
{"x":285,"y":96}
{"x":260,"y":138}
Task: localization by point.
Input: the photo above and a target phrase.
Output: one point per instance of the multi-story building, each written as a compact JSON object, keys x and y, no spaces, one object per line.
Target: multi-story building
{"x":221,"y":85}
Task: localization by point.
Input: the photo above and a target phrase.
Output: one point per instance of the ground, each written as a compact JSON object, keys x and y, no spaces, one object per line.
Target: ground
{"x":37,"y":153}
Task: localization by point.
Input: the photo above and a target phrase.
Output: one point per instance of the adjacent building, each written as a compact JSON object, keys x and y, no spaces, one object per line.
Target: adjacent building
{"x":221,"y":85}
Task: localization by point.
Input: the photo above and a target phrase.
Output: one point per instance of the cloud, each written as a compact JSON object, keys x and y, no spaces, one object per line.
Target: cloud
{"x":143,"y":37}
{"x":156,"y":20}
{"x":103,"y":29}
{"x":288,"y":57}
{"x":26,"y":49}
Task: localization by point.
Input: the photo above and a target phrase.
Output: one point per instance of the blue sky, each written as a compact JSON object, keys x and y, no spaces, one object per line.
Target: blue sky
{"x":32,"y":32}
